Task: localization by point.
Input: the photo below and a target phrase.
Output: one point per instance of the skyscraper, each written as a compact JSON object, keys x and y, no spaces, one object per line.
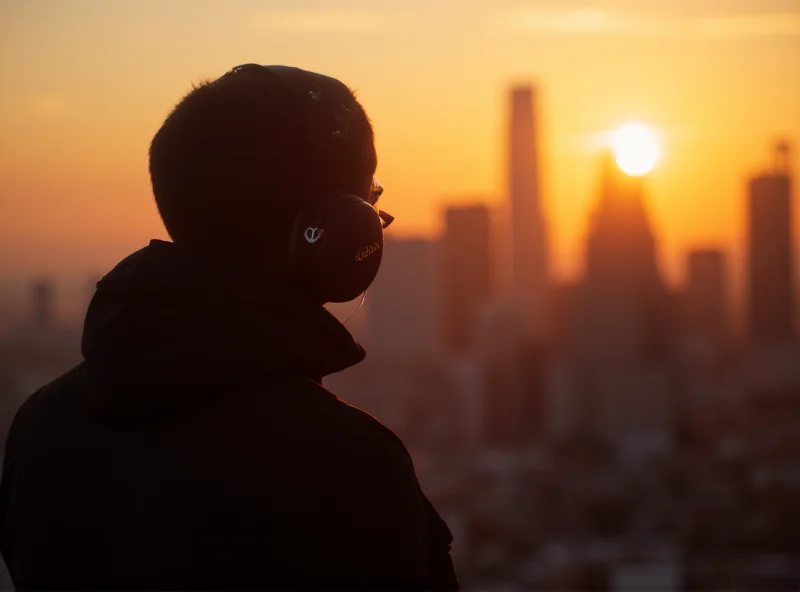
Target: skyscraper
{"x":401,"y":304}
{"x":466,"y":273}
{"x":623,"y":326}
{"x":622,"y":311}
{"x":770,"y":288}
{"x":706,"y":304}
{"x":528,"y":233}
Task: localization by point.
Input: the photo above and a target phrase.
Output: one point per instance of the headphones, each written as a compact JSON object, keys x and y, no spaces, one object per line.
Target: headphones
{"x":336,"y":243}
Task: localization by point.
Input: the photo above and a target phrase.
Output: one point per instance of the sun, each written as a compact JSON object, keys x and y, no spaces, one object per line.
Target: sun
{"x":636,"y":147}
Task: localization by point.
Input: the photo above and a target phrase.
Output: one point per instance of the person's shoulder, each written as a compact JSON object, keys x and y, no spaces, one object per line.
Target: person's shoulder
{"x":361,"y":423}
{"x":47,"y":403}
{"x":36,"y":419}
{"x":357,"y":431}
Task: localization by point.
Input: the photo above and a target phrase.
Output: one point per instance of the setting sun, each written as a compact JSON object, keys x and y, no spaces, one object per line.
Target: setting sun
{"x":636,"y":148}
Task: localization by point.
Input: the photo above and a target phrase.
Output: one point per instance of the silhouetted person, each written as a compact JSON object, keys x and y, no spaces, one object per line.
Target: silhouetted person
{"x":195,"y":447}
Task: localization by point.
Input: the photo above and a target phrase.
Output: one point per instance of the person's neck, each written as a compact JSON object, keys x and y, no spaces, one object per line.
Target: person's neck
{"x":247,"y":274}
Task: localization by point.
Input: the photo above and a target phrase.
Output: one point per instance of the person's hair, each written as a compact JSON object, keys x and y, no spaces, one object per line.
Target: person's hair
{"x":232,"y":165}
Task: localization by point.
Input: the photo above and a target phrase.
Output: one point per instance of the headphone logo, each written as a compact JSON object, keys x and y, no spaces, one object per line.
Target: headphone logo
{"x":367,"y":251}
{"x":312,"y":235}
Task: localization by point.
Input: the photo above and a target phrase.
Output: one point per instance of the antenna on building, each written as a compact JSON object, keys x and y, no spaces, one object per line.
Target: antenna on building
{"x":782,"y":157}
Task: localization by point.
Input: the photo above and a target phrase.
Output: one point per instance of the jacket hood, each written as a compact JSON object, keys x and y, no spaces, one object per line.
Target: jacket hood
{"x":167,"y":327}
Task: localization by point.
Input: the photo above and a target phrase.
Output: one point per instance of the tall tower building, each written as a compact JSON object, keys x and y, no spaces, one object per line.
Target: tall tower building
{"x":466,"y":273}
{"x":528,"y":232}
{"x":770,"y":288}
{"x":623,"y":327}
{"x":706,"y":305}
{"x":622,"y":310}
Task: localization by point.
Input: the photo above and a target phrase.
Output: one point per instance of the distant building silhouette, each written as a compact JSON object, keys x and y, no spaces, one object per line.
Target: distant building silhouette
{"x":402,"y":303}
{"x":465,"y":272}
{"x":623,"y":325}
{"x":770,"y":304}
{"x":705,"y":303}
{"x":622,"y":309}
{"x":563,"y":298}
{"x":528,"y":232}
{"x":511,"y":379}
{"x":43,"y":303}
{"x":499,"y":337}
{"x":36,"y":350}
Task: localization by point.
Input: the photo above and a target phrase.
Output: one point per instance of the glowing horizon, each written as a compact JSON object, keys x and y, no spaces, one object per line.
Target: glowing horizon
{"x":86,"y":84}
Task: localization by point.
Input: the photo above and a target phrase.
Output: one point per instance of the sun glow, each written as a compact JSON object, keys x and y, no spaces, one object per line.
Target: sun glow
{"x":636,"y":148}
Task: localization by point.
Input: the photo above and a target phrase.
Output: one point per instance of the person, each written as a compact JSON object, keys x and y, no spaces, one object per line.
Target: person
{"x":194,"y":446}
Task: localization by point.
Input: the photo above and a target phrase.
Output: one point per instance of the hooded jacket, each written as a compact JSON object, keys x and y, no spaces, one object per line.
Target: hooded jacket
{"x":195,"y":448}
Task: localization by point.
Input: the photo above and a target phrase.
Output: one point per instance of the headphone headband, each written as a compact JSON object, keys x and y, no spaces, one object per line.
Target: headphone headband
{"x":325,"y":103}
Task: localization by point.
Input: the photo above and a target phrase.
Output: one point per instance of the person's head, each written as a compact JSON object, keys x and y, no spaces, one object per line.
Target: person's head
{"x":240,"y":156}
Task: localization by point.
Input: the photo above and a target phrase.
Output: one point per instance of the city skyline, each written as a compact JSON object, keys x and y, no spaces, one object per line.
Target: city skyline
{"x":774,"y":181}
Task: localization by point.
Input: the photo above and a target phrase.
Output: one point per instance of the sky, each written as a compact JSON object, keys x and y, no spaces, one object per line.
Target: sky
{"x":84,"y":85}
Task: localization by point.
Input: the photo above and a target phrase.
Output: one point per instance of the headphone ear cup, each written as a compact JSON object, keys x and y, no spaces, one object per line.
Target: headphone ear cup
{"x":336,"y":249}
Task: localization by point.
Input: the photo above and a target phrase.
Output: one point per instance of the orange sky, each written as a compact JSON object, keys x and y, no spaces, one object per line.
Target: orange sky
{"x":85,"y":84}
